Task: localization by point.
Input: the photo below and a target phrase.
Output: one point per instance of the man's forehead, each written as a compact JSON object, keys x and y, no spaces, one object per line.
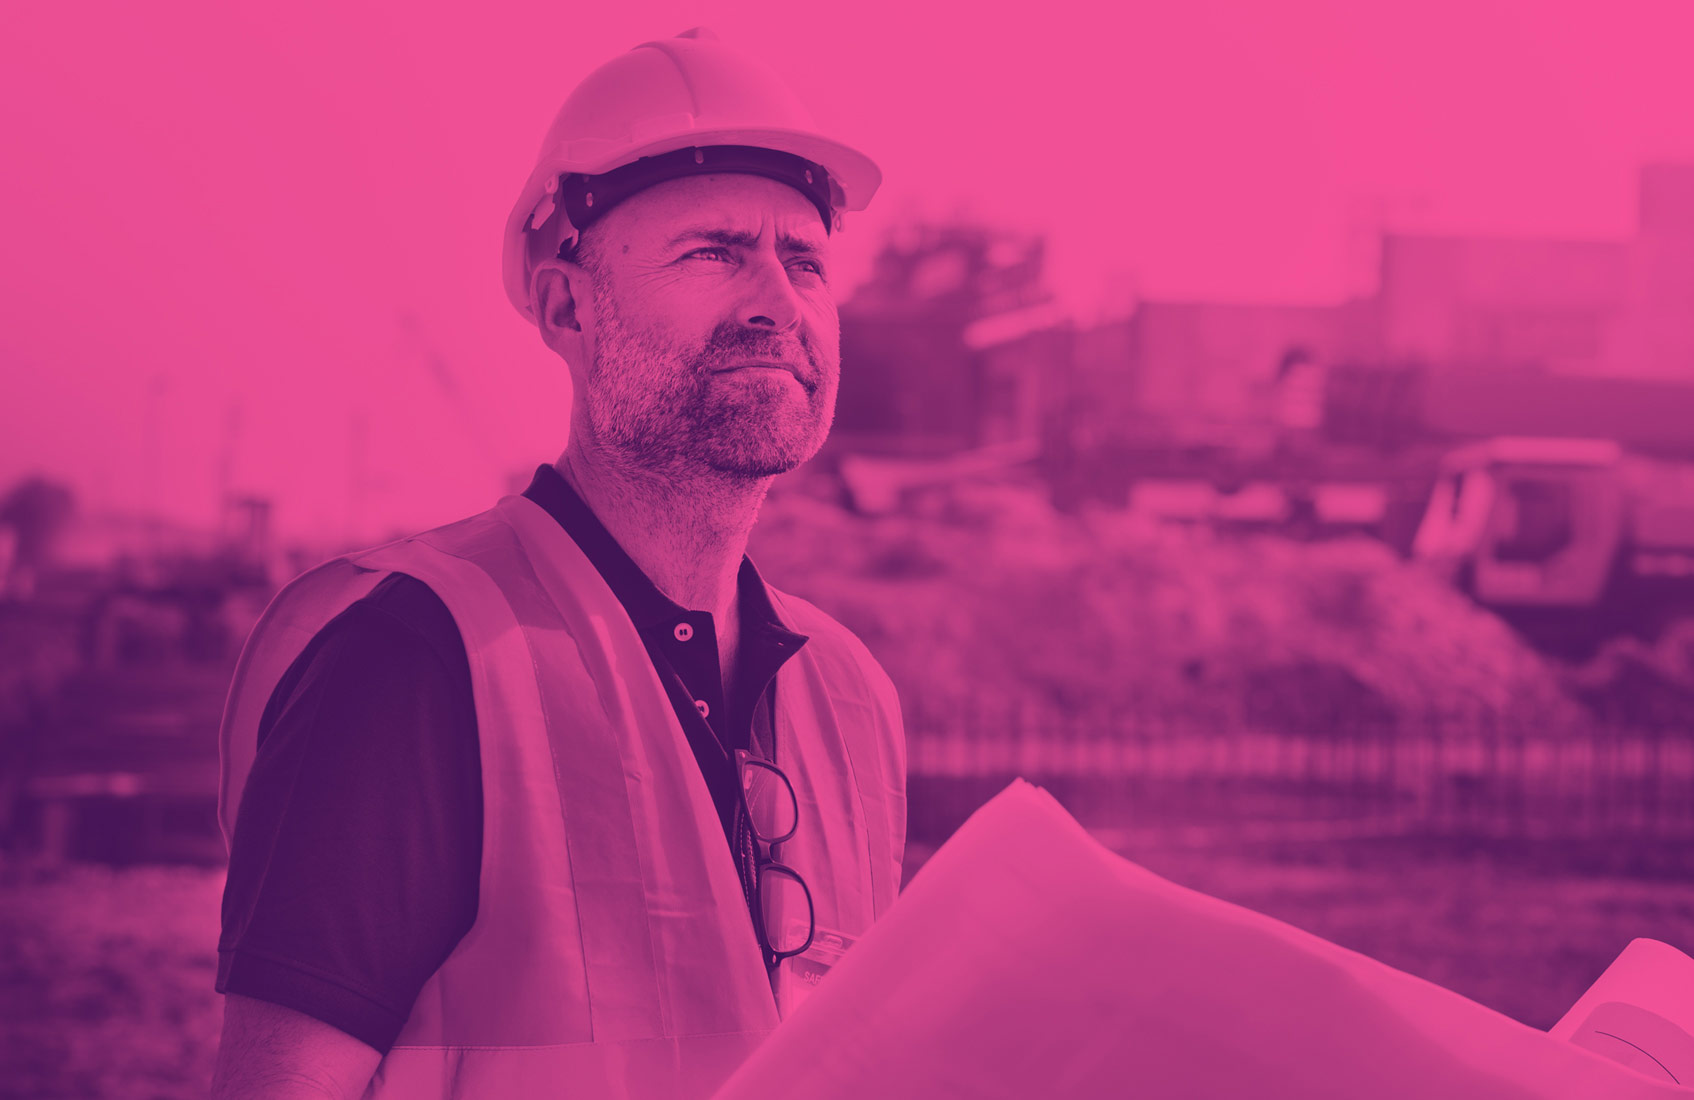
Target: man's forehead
{"x":739,"y":206}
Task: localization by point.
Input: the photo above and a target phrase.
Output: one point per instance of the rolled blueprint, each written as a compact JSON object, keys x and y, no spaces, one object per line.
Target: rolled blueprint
{"x":1026,"y":960}
{"x":1640,"y":1012}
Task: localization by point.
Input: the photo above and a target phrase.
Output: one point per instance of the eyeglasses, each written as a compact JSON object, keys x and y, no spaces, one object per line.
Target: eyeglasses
{"x":776,"y":894}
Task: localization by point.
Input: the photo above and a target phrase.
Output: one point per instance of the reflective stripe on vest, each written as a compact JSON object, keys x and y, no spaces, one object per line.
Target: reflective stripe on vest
{"x":612,"y":953}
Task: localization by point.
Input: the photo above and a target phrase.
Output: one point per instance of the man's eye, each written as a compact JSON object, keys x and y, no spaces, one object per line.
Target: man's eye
{"x":812,"y":266}
{"x":712,"y":253}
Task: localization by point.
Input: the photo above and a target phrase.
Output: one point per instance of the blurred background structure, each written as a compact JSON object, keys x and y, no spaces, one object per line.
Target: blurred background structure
{"x":1370,"y":608}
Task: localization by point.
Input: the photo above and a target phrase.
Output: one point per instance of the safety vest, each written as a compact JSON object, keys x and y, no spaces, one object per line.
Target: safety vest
{"x":612,"y":953}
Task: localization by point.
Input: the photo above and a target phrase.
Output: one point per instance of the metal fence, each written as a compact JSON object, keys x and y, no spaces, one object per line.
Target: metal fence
{"x":1440,"y":774}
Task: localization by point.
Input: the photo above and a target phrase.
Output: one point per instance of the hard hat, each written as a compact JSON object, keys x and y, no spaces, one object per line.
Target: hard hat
{"x":712,"y":107}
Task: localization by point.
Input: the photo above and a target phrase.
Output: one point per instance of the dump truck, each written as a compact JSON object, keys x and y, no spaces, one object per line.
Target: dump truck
{"x":1571,"y":541}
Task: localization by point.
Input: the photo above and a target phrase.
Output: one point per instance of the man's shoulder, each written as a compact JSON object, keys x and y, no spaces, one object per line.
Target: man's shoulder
{"x":813,"y":621}
{"x":453,"y":537}
{"x":429,"y":564}
{"x":411,"y":605}
{"x":398,"y":618}
{"x":832,"y":641}
{"x":399,"y":631}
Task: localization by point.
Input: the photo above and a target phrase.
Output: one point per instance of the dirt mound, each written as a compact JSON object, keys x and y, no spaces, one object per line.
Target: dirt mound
{"x":997,"y":597}
{"x":1631,"y":682}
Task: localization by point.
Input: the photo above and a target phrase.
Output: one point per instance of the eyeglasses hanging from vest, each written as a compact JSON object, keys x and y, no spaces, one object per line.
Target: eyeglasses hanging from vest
{"x":778,"y":898}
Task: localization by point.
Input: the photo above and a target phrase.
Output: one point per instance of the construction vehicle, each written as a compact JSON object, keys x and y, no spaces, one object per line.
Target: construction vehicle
{"x":1571,"y":541}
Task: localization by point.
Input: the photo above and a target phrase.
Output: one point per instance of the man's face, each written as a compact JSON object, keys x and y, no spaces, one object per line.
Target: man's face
{"x":715,"y":336}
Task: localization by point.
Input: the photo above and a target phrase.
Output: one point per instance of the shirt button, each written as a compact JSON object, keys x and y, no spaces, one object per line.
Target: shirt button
{"x":683,"y":632}
{"x":700,"y":705}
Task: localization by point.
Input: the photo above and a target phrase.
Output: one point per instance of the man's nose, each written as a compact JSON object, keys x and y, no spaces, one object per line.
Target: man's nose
{"x":770,"y":302}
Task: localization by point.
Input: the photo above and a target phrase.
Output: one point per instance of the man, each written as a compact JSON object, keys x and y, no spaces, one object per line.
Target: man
{"x":562,"y":799}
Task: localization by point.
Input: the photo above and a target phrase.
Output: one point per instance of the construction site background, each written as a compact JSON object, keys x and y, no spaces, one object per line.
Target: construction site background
{"x":1374,"y":618}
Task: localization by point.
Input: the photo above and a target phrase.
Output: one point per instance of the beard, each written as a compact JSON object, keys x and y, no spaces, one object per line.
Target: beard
{"x":660,"y":407}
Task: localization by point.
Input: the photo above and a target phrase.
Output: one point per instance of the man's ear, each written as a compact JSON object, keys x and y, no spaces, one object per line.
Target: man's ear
{"x":562,"y":294}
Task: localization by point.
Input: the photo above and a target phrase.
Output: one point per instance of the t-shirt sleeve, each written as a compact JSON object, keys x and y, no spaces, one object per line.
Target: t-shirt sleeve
{"x":358,"y":845}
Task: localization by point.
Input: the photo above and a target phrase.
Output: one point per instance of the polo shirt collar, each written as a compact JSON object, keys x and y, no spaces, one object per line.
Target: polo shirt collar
{"x":648,"y":608}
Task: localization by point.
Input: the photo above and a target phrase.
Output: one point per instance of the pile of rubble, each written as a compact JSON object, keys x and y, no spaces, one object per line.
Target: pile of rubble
{"x":998,"y":596}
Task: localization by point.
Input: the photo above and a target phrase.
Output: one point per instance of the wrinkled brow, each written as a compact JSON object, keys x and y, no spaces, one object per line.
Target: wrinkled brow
{"x":727,"y":238}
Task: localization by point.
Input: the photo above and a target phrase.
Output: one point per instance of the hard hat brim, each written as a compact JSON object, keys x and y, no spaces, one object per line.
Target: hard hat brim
{"x":855,"y":173}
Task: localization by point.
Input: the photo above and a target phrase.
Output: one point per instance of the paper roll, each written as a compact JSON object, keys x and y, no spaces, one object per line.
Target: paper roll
{"x":1027,"y":960}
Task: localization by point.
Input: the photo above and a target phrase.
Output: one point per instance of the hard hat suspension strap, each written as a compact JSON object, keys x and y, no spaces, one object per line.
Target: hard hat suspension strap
{"x":585,"y":199}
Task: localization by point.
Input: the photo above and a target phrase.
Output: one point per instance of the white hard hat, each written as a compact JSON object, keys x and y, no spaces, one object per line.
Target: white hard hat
{"x":690,"y":92}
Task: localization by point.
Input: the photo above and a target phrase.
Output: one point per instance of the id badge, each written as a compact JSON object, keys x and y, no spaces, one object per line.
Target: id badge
{"x":800,"y":974}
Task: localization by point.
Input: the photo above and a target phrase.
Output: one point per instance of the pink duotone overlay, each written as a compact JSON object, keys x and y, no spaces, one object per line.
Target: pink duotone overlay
{"x":1264,"y":430}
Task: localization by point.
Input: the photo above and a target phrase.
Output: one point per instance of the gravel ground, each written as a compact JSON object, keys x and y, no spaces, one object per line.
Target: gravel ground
{"x":106,"y":982}
{"x":1523,"y":942}
{"x":107,"y":974}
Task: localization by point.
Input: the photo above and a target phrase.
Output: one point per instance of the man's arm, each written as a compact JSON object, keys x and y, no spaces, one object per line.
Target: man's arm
{"x":364,"y":803}
{"x":276,"y":1053}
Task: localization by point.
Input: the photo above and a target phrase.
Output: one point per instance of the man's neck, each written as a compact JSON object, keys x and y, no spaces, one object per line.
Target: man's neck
{"x":688,"y":535}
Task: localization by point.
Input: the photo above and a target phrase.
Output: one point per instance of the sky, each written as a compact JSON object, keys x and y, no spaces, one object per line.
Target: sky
{"x":256,"y":246}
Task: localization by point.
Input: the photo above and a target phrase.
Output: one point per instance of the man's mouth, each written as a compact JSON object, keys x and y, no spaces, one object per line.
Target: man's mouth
{"x":763,"y":365}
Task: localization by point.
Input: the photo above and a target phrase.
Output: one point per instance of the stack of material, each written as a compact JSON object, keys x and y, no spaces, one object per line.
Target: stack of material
{"x":1027,"y":960}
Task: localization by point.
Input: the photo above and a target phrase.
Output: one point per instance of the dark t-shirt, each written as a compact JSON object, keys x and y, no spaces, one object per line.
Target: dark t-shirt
{"x":357,"y":851}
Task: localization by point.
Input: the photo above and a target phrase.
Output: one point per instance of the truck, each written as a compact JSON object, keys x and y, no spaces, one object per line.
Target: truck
{"x":1572,"y":541}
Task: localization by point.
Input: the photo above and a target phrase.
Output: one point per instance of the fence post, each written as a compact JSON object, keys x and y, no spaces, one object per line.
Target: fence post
{"x":967,"y":732}
{"x":1441,"y":795}
{"x":1389,"y":778}
{"x":1601,"y":778}
{"x":917,"y":734}
{"x":1490,"y":790}
{"x":1521,"y":780}
{"x":1020,"y":755}
{"x":1655,"y":779}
